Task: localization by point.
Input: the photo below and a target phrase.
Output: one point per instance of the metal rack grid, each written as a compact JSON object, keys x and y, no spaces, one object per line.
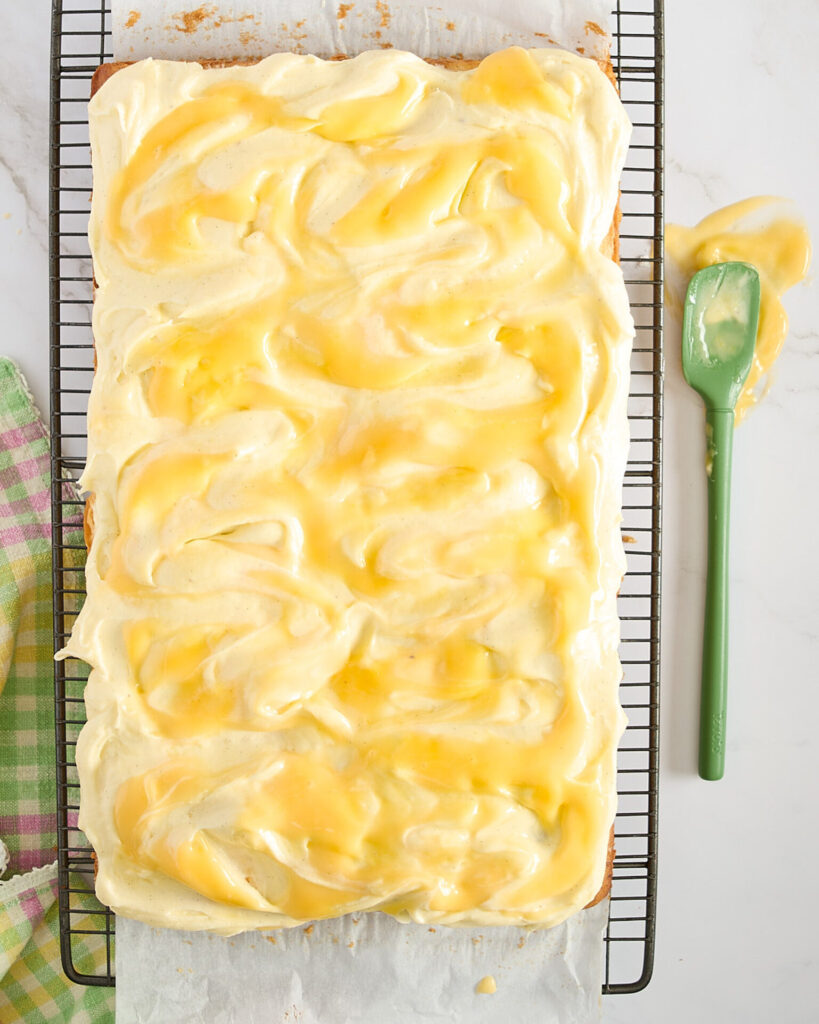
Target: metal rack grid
{"x":81,"y":41}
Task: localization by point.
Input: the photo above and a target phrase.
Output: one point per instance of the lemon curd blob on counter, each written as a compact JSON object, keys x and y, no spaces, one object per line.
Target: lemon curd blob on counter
{"x":357,"y":437}
{"x":761,"y":231}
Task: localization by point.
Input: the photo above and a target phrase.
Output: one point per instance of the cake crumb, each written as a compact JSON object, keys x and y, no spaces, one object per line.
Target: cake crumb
{"x":271,"y":938}
{"x":451,"y":26}
{"x":226,"y":19}
{"x":486,"y":986}
{"x":383,"y":9}
{"x":592,"y":26}
{"x":628,"y":539}
{"x":308,"y":930}
{"x":133,"y":18}
{"x":350,"y":944}
{"x":189,"y":21}
{"x":521,"y":942}
{"x":344,"y":10}
{"x":431,"y":929}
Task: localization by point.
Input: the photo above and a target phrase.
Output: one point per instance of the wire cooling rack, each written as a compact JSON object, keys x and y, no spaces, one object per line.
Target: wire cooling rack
{"x":81,"y":41}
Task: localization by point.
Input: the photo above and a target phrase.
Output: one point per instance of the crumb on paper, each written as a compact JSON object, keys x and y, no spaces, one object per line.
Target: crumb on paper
{"x":227,"y":19}
{"x":133,"y":18}
{"x":451,"y":26}
{"x":343,"y":11}
{"x":384,"y":10}
{"x":486,"y":986}
{"x":581,"y":49}
{"x":592,"y":26}
{"x":271,"y":938}
{"x":308,"y":930}
{"x":189,"y":21}
{"x":351,"y":944}
{"x":628,"y":539}
{"x":476,"y":942}
{"x":521,"y":942}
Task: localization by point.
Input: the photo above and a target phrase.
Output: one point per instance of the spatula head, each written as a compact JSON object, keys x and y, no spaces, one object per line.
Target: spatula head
{"x":720,"y":319}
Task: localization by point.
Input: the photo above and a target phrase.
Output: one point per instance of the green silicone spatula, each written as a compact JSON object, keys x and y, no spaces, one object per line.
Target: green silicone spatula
{"x":719,"y":332}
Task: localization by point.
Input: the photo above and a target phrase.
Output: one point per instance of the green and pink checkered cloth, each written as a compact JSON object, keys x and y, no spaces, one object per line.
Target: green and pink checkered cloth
{"x":33,"y":987}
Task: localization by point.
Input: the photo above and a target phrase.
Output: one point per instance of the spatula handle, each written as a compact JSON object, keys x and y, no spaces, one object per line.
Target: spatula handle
{"x":715,"y":633}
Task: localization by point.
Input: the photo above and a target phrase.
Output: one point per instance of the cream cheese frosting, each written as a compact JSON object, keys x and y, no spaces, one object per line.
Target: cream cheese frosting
{"x":356,"y":443}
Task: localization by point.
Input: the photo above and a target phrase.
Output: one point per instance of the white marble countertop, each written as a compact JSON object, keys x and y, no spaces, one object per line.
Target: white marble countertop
{"x":738,"y":890}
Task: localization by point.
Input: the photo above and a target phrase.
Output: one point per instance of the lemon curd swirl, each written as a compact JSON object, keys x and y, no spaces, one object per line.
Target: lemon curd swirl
{"x":356,"y":440}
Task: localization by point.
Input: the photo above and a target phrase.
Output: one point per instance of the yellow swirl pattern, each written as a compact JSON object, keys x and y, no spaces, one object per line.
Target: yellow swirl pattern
{"x":356,"y":441}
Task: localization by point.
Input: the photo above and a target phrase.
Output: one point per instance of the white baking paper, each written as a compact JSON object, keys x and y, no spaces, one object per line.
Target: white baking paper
{"x":367,"y":969}
{"x":370,"y":968}
{"x":187,"y":30}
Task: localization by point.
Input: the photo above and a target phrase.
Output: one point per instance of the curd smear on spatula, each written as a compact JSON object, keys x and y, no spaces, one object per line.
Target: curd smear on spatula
{"x":766,"y":232}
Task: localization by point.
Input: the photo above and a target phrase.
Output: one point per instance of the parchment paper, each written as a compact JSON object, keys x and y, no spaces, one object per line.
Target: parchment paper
{"x":187,"y":30}
{"x":369,"y":968}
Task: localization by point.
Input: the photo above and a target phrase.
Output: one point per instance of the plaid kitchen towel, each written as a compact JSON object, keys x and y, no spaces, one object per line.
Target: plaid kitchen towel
{"x":33,"y":987}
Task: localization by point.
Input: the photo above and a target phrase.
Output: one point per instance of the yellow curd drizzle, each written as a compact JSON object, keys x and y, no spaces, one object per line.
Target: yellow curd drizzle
{"x":755,"y":232}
